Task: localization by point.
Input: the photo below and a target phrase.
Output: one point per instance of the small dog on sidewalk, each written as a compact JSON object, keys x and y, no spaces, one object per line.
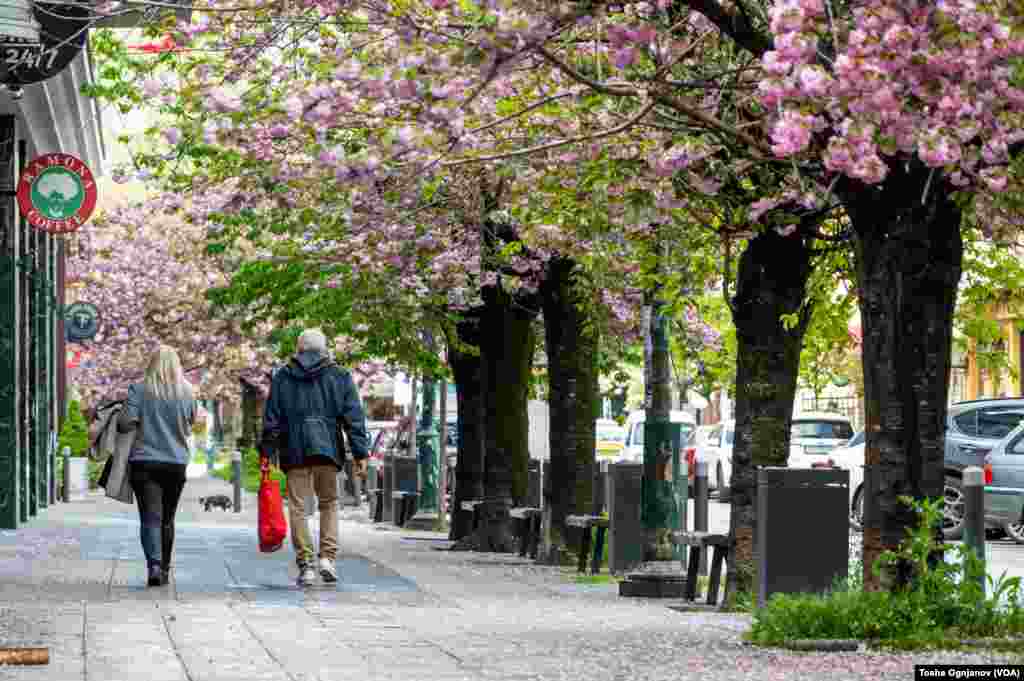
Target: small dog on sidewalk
{"x":220,"y":500}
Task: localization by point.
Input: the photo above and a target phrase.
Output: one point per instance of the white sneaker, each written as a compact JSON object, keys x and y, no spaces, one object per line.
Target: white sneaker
{"x":307,"y":577}
{"x":327,"y":570}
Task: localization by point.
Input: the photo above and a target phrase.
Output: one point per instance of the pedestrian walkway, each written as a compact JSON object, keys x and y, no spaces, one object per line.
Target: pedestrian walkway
{"x":72,"y":579}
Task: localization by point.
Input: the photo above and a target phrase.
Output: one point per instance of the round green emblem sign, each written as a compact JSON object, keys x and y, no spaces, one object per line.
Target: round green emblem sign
{"x":57,"y":193}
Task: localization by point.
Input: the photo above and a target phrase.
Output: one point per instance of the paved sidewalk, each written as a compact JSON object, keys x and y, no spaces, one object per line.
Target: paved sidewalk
{"x":72,"y":579}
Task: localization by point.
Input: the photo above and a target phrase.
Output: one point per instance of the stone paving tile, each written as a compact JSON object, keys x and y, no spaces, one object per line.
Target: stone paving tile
{"x":403,"y":610}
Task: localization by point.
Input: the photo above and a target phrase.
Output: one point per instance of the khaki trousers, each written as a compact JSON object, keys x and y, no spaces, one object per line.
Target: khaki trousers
{"x":303,"y":482}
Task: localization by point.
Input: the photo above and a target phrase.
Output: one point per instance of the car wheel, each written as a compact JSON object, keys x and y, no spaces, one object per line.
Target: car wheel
{"x":1015,"y":531}
{"x":857,"y":509}
{"x":953,"y":510}
{"x":994,"y":533}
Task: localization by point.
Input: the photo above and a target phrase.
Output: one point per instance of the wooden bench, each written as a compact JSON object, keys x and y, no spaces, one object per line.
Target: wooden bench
{"x":377,"y":504}
{"x":403,"y":506}
{"x":699,"y":542}
{"x":529,"y":521}
{"x":585,"y":522}
{"x":470,"y":505}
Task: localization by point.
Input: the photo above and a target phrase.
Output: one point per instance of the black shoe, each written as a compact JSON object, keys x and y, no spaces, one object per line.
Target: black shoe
{"x":165,"y":576}
{"x":154,"y":576}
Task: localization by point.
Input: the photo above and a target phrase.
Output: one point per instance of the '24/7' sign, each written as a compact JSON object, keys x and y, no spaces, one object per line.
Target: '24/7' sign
{"x":57,"y":193}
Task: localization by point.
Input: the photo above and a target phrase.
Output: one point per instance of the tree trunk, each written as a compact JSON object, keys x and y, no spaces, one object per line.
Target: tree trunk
{"x":909,"y":258}
{"x":571,"y":346}
{"x":469,"y":468}
{"x":506,"y":352}
{"x":771,"y":282}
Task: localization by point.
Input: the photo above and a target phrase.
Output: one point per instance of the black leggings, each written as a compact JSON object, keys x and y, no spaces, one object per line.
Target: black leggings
{"x":157,"y":490}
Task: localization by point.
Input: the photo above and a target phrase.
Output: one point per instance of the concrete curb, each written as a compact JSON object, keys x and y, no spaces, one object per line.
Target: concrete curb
{"x":854,"y":645}
{"x":824,"y":645}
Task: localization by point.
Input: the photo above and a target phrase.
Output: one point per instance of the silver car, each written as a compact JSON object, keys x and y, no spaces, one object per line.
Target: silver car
{"x":973,"y":429}
{"x":1004,"y":473}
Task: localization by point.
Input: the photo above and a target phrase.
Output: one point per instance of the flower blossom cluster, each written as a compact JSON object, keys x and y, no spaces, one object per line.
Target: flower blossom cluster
{"x":906,"y":77}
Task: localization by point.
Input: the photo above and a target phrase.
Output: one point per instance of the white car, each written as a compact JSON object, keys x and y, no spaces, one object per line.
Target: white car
{"x":850,"y":457}
{"x":716,"y":452}
{"x":814,"y":434}
{"x":634,"y":450}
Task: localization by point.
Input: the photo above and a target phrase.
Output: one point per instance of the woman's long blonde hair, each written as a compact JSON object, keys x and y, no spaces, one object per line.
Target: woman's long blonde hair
{"x":165,"y":379}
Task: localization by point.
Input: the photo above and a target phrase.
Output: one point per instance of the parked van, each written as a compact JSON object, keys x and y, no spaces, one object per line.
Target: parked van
{"x":634,"y":450}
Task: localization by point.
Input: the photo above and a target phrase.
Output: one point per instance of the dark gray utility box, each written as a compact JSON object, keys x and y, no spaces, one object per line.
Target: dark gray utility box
{"x":625,"y":551}
{"x":802,"y":530}
{"x":533,"y":487}
{"x":405,"y":470}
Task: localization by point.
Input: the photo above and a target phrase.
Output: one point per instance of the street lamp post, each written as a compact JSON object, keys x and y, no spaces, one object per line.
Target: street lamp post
{"x":661,"y":503}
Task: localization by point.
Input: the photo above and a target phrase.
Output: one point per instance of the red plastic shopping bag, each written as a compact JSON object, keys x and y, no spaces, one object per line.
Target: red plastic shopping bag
{"x":273,"y":527}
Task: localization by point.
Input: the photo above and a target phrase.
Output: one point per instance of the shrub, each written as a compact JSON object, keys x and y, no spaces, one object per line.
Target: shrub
{"x":251,"y":472}
{"x":943,"y":601}
{"x":75,"y":431}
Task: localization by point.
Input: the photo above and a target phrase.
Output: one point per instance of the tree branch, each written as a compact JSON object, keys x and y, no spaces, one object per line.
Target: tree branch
{"x":735,"y":24}
{"x":554,"y":145}
{"x":662,"y":97}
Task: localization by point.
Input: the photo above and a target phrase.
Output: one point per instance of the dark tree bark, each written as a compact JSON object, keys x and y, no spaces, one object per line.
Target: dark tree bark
{"x":571,"y":345}
{"x":771,"y":282}
{"x":506,"y":351}
{"x":909,"y":259}
{"x":469,"y":469}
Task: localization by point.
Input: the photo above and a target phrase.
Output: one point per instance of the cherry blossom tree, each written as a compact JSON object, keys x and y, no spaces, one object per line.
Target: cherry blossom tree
{"x":899,"y":112}
{"x":147,"y":275}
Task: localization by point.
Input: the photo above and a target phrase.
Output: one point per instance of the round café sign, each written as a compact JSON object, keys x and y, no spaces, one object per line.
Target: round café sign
{"x":57,"y":193}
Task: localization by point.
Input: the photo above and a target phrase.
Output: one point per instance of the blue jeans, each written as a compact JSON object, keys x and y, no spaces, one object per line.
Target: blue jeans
{"x":157,"y":490}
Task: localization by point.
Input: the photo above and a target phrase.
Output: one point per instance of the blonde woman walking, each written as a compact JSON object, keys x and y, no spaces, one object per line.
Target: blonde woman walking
{"x":164,"y":408}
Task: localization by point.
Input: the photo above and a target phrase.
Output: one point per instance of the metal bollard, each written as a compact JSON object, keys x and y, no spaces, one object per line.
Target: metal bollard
{"x":974,"y":516}
{"x":700,"y":507}
{"x":66,"y":482}
{"x":236,"y":466}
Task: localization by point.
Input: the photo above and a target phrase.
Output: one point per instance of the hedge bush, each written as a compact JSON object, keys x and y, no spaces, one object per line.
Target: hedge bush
{"x":251,"y":472}
{"x":943,"y":603}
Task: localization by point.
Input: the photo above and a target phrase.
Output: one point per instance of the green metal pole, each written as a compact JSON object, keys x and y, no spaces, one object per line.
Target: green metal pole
{"x":35,"y":272}
{"x":41,"y":351}
{"x":427,"y":446}
{"x":50,"y":403}
{"x":10,"y":478}
{"x":661,"y":443}
{"x":663,"y":483}
{"x":27,"y":354}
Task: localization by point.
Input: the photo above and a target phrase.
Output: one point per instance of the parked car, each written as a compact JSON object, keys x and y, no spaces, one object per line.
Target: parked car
{"x":611,"y":439}
{"x":973,"y":429}
{"x":850,"y":457}
{"x":1004,"y":484}
{"x":813,"y":435}
{"x":634,"y":449}
{"x":716,"y":452}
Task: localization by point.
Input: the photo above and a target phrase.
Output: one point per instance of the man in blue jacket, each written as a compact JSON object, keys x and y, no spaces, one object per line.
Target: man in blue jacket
{"x":309,"y":399}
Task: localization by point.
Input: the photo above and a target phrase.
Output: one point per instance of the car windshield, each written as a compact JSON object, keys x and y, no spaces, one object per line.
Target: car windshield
{"x":822,"y":430}
{"x":611,"y":433}
{"x":638,"y":433}
{"x":729,"y":432}
{"x":857,"y":439}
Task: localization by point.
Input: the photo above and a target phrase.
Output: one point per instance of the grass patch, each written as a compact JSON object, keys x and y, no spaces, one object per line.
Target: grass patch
{"x":250,"y":472}
{"x":596,"y":579}
{"x":943,"y":604}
